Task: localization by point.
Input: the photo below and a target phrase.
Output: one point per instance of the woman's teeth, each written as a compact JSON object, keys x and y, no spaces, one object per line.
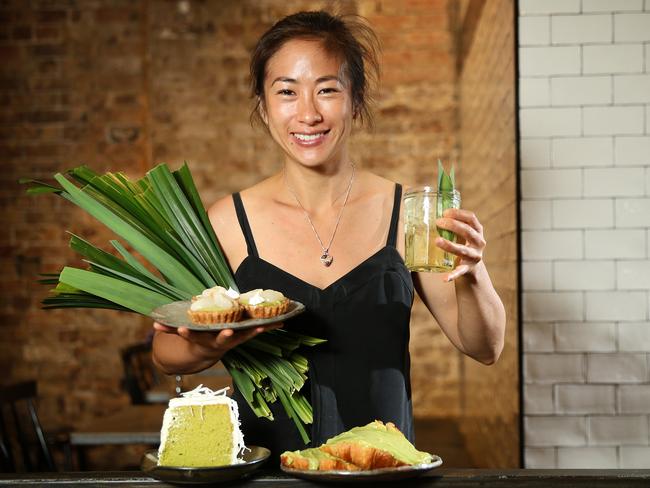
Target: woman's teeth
{"x":308,"y":137}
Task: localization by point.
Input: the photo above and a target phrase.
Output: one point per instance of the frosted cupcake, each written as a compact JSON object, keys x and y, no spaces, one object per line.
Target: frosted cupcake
{"x":216,"y":305}
{"x":264,"y":304}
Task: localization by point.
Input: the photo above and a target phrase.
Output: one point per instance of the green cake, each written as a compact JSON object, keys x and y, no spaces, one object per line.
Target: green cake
{"x":201,"y":429}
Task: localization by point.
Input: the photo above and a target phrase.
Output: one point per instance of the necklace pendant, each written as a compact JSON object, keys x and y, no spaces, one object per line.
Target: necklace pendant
{"x":326,"y":259}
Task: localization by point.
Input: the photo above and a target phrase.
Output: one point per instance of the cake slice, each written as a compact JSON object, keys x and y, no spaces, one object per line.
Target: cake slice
{"x":376,"y":445}
{"x":315,"y":459}
{"x":201,"y":429}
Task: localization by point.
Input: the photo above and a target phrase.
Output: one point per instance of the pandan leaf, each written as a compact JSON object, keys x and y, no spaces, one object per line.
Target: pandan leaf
{"x":445,"y":200}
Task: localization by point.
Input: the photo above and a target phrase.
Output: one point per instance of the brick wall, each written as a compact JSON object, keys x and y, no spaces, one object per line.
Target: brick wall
{"x":122,"y":85}
{"x":585,"y":181}
{"x":487,"y":179}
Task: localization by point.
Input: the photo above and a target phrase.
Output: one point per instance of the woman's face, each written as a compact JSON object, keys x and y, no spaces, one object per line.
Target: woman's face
{"x":308,"y":107}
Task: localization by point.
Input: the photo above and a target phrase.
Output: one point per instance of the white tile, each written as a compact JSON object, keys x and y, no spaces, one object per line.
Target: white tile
{"x":632,"y":151}
{"x":582,"y":151}
{"x":634,"y":399}
{"x":535,"y":153}
{"x":575,"y":399}
{"x":537,"y":275}
{"x":554,"y":368}
{"x":612,"y":58}
{"x":611,"y":5}
{"x":616,"y":368}
{"x":585,"y":337}
{"x":538,"y":337}
{"x":632,"y":212}
{"x":551,"y":183}
{"x":549,"y":306}
{"x":539,"y":458}
{"x":584,"y":275}
{"x":549,"y":122}
{"x":534,"y":92}
{"x":632,"y":88}
{"x":534,"y":31}
{"x":647,"y":58}
{"x":626,"y":120}
{"x":543,"y":245}
{"x":534,"y":7}
{"x":583,"y":214}
{"x":632,"y":27}
{"x":555,"y":431}
{"x":581,"y":90}
{"x":538,"y":399}
{"x":633,"y":275}
{"x":618,"y":430}
{"x":615,"y":305}
{"x":647,"y":117}
{"x":535,"y":214}
{"x":581,"y":29}
{"x":587,"y":458}
{"x":614,"y":182}
{"x":647,"y":5}
{"x":612,"y":244}
{"x":546,"y":61}
{"x":634,"y":457}
{"x":634,"y":336}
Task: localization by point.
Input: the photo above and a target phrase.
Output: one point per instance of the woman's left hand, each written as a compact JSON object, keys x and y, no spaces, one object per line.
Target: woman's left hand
{"x":470,"y":240}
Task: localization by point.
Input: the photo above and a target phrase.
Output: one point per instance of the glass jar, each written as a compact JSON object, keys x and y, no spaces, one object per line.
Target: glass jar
{"x":422,"y":206}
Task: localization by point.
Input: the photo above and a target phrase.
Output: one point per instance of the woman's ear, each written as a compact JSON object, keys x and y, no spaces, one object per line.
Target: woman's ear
{"x":261,"y":110}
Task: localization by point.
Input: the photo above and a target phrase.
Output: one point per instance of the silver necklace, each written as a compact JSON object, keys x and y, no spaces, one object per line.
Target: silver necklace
{"x":326,"y":258}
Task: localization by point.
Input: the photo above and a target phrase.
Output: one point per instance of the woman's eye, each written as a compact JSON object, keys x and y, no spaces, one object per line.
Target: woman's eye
{"x":329,"y":90}
{"x":285,"y":92}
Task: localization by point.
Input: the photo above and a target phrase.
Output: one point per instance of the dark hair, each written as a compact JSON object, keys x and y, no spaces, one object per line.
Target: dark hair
{"x":348,"y":37}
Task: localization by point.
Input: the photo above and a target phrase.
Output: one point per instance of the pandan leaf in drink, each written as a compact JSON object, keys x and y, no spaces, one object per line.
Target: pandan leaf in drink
{"x":446,"y":187}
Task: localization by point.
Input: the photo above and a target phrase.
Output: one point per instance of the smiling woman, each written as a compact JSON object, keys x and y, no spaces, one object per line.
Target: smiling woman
{"x":311,"y":79}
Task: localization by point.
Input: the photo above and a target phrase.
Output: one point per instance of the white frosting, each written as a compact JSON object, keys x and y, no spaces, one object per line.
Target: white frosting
{"x":234,"y":294}
{"x":256,"y":299}
{"x":215,"y":300}
{"x":201,"y":396}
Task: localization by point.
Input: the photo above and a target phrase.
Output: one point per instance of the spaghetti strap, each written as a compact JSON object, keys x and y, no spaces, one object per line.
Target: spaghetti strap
{"x":392,"y":231}
{"x":243,"y":223}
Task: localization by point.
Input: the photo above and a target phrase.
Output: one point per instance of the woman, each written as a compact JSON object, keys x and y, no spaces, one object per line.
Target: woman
{"x":329,"y":235}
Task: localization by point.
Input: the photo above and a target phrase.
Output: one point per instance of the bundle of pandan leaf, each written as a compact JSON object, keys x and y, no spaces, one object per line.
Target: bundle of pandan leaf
{"x":162,"y":218}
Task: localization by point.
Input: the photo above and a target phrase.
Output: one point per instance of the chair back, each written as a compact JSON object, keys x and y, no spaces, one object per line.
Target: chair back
{"x":140,"y":374}
{"x":19,"y":427}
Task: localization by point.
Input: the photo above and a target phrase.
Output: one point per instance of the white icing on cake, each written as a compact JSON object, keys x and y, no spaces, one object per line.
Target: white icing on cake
{"x":201,"y":396}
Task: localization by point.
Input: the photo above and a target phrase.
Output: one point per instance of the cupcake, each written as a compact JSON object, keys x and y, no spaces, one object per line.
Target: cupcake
{"x":216,"y":305}
{"x":264,"y":304}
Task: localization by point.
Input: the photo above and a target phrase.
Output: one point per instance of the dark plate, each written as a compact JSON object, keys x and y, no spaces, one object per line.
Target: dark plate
{"x":383,"y":474}
{"x":174,"y":314}
{"x":253,"y":459}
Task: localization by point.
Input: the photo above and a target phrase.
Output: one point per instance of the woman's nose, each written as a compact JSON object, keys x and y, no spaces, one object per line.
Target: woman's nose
{"x":308,"y":112}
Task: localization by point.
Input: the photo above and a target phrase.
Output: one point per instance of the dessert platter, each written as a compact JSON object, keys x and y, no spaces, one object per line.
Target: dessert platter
{"x":374,"y":452}
{"x":217,"y":308}
{"x":201,"y":442}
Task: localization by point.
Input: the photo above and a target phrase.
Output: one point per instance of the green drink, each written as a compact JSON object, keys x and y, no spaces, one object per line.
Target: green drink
{"x":422,"y":206}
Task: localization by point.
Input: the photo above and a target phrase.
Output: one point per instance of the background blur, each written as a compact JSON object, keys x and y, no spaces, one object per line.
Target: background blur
{"x":124,"y":85}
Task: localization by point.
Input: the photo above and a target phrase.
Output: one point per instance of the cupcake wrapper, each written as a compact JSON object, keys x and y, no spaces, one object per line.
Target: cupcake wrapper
{"x":260,"y":312}
{"x":225,"y":316}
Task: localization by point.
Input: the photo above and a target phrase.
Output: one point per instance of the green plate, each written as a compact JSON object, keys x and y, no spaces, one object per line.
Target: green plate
{"x":253,"y":459}
{"x":174,"y":314}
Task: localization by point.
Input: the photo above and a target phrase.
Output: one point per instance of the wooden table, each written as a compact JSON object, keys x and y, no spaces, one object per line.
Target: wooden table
{"x":439,"y":478}
{"x":135,"y":424}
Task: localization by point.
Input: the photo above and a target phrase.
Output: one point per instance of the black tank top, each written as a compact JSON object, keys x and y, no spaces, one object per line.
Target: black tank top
{"x":362,"y":372}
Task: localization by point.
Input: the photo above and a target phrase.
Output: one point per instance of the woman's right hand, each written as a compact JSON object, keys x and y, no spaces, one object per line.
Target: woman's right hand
{"x":208,"y":347}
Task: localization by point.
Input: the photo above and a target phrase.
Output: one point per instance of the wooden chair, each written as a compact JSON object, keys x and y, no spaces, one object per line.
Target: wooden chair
{"x":142,"y":381}
{"x":20,"y":431}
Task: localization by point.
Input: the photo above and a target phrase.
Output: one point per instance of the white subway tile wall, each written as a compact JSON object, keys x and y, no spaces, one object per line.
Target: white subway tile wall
{"x":584,"y":107}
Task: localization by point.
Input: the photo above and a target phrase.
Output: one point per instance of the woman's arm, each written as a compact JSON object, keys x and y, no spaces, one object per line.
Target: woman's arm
{"x":464,"y":301}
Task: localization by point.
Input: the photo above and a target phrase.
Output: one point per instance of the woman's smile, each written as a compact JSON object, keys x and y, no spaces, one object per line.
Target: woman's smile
{"x":310,"y":139}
